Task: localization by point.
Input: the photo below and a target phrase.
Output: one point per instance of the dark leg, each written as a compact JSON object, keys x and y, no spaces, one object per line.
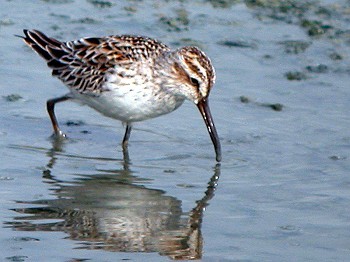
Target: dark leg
{"x":51,"y":110}
{"x":126,"y":136}
{"x":125,"y":146}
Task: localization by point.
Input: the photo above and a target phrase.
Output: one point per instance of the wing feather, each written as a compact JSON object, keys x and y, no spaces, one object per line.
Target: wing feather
{"x":84,"y":64}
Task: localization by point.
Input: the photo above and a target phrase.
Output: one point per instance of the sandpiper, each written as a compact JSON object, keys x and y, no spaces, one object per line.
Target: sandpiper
{"x":128,"y":78}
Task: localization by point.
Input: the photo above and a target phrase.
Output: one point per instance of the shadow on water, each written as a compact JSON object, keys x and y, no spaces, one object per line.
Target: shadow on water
{"x":107,"y":211}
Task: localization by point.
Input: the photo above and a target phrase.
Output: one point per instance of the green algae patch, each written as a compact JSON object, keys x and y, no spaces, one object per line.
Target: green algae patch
{"x":295,"y":76}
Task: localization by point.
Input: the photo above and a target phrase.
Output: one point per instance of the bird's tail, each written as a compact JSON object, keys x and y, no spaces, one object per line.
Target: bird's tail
{"x":45,"y":46}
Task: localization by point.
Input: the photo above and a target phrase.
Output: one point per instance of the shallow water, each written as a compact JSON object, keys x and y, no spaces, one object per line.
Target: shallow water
{"x":280,"y":105}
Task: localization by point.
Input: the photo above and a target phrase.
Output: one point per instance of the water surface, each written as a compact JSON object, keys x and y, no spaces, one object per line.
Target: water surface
{"x":280,"y":105}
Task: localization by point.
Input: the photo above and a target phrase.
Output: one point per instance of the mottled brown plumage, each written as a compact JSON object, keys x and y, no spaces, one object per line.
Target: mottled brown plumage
{"x":82,"y":64}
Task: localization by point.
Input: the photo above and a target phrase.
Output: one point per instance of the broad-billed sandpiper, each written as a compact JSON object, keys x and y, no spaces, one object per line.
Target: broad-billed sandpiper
{"x":128,"y":78}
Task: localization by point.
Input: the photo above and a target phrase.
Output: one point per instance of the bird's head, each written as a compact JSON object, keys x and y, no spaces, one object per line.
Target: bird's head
{"x":195,"y":76}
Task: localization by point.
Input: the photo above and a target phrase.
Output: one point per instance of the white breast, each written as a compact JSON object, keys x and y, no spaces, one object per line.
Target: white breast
{"x":132,"y":102}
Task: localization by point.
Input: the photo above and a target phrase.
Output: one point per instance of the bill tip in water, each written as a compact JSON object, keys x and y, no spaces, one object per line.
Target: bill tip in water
{"x":218,"y":158}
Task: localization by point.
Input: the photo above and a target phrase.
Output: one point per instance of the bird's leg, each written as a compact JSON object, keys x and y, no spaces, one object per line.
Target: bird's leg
{"x":125,"y":145}
{"x":126,"y":136}
{"x":50,"y":104}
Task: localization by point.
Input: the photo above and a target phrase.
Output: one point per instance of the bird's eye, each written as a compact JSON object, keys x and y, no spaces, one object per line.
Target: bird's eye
{"x":194,"y":81}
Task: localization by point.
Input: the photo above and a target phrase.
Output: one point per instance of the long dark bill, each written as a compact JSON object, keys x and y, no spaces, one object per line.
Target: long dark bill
{"x":203,"y":107}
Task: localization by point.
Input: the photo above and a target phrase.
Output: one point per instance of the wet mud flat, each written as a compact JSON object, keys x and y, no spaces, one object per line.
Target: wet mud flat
{"x":280,"y":104}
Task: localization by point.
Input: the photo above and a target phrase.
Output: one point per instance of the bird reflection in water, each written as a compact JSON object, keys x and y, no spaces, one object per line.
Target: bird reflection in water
{"x":110,"y":212}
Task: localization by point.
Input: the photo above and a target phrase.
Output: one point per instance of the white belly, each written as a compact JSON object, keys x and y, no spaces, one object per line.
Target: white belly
{"x":131,"y":105}
{"x":132,"y":95}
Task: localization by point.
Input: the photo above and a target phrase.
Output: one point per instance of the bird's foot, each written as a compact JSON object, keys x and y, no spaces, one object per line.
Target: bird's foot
{"x":58,"y":135}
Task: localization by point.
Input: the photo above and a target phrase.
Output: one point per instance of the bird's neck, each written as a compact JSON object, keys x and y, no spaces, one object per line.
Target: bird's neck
{"x":166,"y":72}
